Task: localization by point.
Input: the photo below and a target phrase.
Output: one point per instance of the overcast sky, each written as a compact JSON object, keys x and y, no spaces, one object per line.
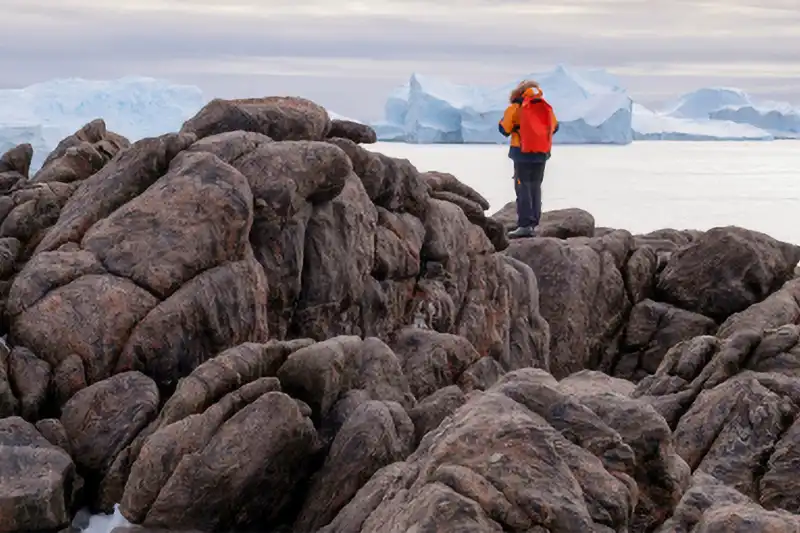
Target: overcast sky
{"x":348,"y":55}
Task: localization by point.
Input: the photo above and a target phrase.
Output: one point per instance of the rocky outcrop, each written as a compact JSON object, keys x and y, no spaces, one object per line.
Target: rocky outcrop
{"x":257,"y":324}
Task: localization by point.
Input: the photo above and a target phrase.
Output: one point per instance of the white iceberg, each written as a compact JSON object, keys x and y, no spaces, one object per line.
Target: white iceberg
{"x":649,"y":125}
{"x":591,"y":106}
{"x":780,"y":120}
{"x":136,"y":107}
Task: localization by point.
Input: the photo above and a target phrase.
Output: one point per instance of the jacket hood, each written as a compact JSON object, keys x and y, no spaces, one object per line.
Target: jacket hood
{"x":533,"y":92}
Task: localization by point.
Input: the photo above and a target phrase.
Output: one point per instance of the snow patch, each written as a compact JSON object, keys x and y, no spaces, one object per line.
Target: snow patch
{"x":103,"y":523}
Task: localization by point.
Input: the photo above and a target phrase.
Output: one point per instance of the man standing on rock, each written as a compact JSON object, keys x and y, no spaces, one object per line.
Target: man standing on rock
{"x":531,"y":123}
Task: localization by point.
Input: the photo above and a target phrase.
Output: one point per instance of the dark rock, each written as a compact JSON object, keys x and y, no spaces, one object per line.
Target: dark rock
{"x":726,"y":270}
{"x":354,"y":131}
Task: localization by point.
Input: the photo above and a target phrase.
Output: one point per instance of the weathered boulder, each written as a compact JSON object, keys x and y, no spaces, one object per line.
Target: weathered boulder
{"x":27,"y":212}
{"x":102,"y":419}
{"x":709,"y":506}
{"x":652,"y":329}
{"x":36,"y":480}
{"x":141,"y":291}
{"x":726,"y":270}
{"x":81,"y":154}
{"x":248,"y":365}
{"x":433,"y":409}
{"x":235,"y":465}
{"x":322,"y":373}
{"x":280,"y":118}
{"x":15,"y":165}
{"x":582,"y":296}
{"x":375,"y":435}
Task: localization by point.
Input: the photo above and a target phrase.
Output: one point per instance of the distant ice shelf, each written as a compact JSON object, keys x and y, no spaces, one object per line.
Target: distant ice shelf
{"x":652,"y":126}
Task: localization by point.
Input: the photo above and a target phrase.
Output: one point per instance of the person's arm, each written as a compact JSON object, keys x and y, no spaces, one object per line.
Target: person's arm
{"x":556,"y":124}
{"x":506,"y":125}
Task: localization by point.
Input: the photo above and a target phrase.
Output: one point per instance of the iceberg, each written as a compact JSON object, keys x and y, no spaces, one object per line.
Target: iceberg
{"x":44,"y":113}
{"x":649,"y":125}
{"x":592,"y":108}
{"x":780,"y":120}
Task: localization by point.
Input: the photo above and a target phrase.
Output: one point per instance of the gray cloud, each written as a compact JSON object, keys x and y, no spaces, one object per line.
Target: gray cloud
{"x":348,"y":56}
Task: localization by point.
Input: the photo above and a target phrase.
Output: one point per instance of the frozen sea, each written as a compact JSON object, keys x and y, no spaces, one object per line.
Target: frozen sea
{"x":646,"y":185}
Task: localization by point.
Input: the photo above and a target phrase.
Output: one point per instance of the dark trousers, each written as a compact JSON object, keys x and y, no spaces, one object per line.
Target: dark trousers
{"x":528,"y":178}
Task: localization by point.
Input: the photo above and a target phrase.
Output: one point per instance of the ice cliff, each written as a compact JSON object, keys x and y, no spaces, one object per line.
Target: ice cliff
{"x":591,"y":106}
{"x":136,"y":107}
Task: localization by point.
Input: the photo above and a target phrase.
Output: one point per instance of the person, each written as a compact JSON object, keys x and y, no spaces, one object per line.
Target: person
{"x":530,"y":123}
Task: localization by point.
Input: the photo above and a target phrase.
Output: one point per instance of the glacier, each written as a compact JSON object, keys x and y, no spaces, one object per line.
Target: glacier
{"x":591,"y":105}
{"x":136,"y":107}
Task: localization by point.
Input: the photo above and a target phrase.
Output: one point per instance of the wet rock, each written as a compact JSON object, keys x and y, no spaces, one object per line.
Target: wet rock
{"x":354,"y":131}
{"x":36,"y":480}
{"x":726,"y":270}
